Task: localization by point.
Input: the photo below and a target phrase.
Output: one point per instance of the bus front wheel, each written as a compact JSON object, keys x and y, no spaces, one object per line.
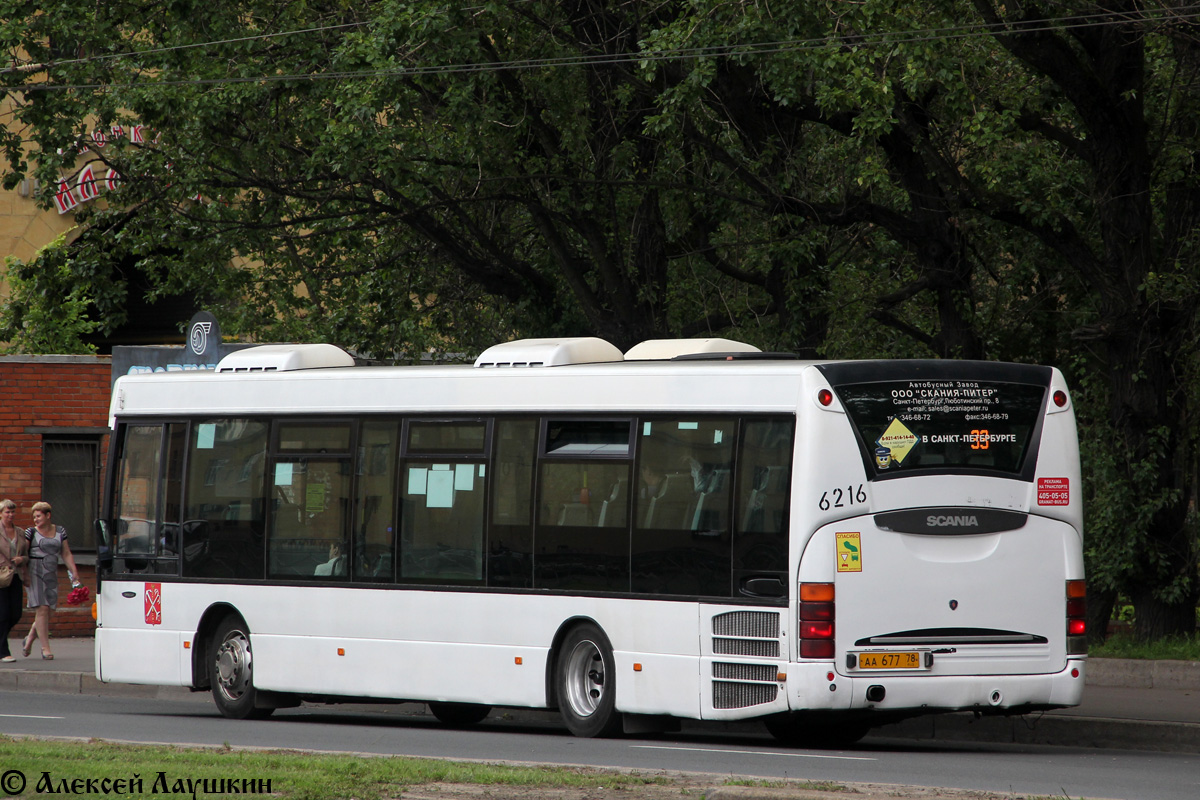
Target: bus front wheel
{"x":232,"y":671}
{"x":586,"y":679}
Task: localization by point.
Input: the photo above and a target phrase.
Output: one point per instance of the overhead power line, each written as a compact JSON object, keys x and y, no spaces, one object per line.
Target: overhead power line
{"x":874,"y":39}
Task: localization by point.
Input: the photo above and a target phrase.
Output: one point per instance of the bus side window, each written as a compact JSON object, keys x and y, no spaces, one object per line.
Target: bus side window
{"x":311,"y":475}
{"x":444,"y":478}
{"x":681,"y":541}
{"x":441,"y":525}
{"x":374,"y":553}
{"x":138,"y":489}
{"x":764,"y":477}
{"x":224,"y":518}
{"x":510,"y":537}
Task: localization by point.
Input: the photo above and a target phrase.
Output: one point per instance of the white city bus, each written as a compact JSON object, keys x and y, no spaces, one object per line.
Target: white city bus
{"x":692,"y":529}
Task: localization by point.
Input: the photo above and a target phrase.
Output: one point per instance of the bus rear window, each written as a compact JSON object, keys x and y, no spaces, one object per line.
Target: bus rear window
{"x":943,"y":425}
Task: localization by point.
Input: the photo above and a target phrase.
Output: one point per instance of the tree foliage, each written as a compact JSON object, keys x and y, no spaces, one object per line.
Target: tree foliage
{"x":960,"y":178}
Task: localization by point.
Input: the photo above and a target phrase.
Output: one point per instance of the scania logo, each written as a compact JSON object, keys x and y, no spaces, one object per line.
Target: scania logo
{"x":955,"y":521}
{"x":951,"y":520}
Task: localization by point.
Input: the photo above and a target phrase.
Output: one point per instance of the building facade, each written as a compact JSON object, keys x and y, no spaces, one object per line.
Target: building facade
{"x":53,"y":446}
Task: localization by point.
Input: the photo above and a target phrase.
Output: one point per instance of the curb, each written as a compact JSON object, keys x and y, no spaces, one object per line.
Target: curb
{"x":50,"y":682}
{"x":1132,"y":673}
{"x":1048,"y":729}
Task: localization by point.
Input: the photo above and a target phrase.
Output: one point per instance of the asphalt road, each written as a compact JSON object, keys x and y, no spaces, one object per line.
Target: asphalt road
{"x":1021,"y":769}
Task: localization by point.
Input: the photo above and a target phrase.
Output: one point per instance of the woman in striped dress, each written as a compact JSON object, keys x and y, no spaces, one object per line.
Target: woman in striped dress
{"x":47,"y":542}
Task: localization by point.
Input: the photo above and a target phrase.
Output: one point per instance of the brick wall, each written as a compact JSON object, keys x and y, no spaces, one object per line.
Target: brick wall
{"x":49,"y":396}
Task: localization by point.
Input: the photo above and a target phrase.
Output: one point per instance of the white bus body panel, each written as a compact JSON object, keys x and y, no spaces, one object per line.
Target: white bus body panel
{"x":1009,"y":581}
{"x":665,"y":662}
{"x":399,"y":644}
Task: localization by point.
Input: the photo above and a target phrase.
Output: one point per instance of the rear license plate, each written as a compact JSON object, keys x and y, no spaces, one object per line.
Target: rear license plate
{"x":891,"y":659}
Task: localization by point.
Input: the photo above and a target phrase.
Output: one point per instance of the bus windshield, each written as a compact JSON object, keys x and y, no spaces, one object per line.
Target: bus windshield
{"x":943,"y":424}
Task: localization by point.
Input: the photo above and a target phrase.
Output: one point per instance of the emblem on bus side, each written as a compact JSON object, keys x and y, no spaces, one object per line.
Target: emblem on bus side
{"x":153,"y":603}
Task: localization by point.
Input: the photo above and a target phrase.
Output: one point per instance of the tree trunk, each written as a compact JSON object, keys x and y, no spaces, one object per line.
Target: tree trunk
{"x":1099,"y":612}
{"x":1154,"y":619}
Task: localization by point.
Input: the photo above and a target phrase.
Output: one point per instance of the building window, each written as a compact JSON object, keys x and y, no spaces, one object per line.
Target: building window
{"x":70,"y":481}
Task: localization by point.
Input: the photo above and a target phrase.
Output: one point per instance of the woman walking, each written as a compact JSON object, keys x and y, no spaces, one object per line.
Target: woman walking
{"x":46,"y":542}
{"x":14,"y":553}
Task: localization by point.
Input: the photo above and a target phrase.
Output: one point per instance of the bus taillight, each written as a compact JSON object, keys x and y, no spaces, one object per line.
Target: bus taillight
{"x":816,"y":620}
{"x":1076,"y":617}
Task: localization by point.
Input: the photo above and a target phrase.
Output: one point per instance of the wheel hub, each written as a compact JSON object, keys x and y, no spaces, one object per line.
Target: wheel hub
{"x":585,"y":678}
{"x":233,"y":666}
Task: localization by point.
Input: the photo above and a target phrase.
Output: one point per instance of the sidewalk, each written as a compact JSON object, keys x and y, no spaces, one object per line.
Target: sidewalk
{"x":1139,"y":705}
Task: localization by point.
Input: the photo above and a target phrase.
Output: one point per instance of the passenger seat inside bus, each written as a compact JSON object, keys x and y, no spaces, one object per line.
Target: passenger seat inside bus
{"x":765,"y":508}
{"x":669,"y":508}
{"x":712,"y":505}
{"x":612,"y":508}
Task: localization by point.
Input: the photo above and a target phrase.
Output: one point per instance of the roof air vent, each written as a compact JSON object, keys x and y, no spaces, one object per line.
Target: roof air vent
{"x":664,"y":349}
{"x":548,"y":353}
{"x":285,"y":358}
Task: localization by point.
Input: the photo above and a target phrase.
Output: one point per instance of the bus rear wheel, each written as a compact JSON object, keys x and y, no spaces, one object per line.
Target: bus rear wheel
{"x":796,"y":730}
{"x":232,"y":662}
{"x":458,"y":715}
{"x":586,"y":682}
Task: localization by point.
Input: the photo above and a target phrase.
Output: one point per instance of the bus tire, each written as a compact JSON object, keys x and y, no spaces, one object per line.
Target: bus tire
{"x":796,"y":730}
{"x":459,"y":715}
{"x":586,"y":683}
{"x":231,"y":662}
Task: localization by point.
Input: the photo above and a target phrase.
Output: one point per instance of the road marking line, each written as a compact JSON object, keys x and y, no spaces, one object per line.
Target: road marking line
{"x":751,"y":752}
{"x":28,"y":716}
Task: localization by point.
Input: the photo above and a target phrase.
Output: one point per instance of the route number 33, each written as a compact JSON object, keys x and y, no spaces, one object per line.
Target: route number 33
{"x":840,"y":498}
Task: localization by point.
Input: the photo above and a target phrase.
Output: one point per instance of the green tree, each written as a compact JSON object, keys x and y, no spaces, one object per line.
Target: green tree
{"x":1035,"y":162}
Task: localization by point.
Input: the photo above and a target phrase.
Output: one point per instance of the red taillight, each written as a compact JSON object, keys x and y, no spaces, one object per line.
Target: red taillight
{"x":824,"y":397}
{"x":816,"y":630}
{"x":816,"y":648}
{"x":816,"y":611}
{"x":816,"y":620}
{"x":1060,"y":398}
{"x":1076,"y":608}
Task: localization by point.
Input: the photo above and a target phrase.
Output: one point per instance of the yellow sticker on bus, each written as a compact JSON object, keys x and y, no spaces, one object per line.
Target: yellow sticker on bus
{"x":898,"y":439}
{"x":849,"y":552}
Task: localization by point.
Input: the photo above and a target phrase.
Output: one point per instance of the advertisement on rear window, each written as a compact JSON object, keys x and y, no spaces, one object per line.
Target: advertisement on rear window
{"x":950,"y":425}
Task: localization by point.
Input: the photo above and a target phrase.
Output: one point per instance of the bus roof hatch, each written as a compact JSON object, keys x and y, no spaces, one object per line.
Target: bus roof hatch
{"x":664,"y":349}
{"x":284,"y":358}
{"x":548,"y":352}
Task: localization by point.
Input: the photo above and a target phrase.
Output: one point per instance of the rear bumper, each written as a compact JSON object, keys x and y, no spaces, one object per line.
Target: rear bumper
{"x":911,"y":695}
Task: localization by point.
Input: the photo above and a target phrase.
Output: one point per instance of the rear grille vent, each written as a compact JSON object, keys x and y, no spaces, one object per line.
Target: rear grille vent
{"x":746,"y":647}
{"x":746,"y":633}
{"x":764,"y":673}
{"x":760,"y":624}
{"x":741,"y":695}
{"x":744,"y":685}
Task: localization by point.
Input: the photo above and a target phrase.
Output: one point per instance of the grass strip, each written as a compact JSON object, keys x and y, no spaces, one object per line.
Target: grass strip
{"x":1123,"y":645}
{"x":169,"y":771}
